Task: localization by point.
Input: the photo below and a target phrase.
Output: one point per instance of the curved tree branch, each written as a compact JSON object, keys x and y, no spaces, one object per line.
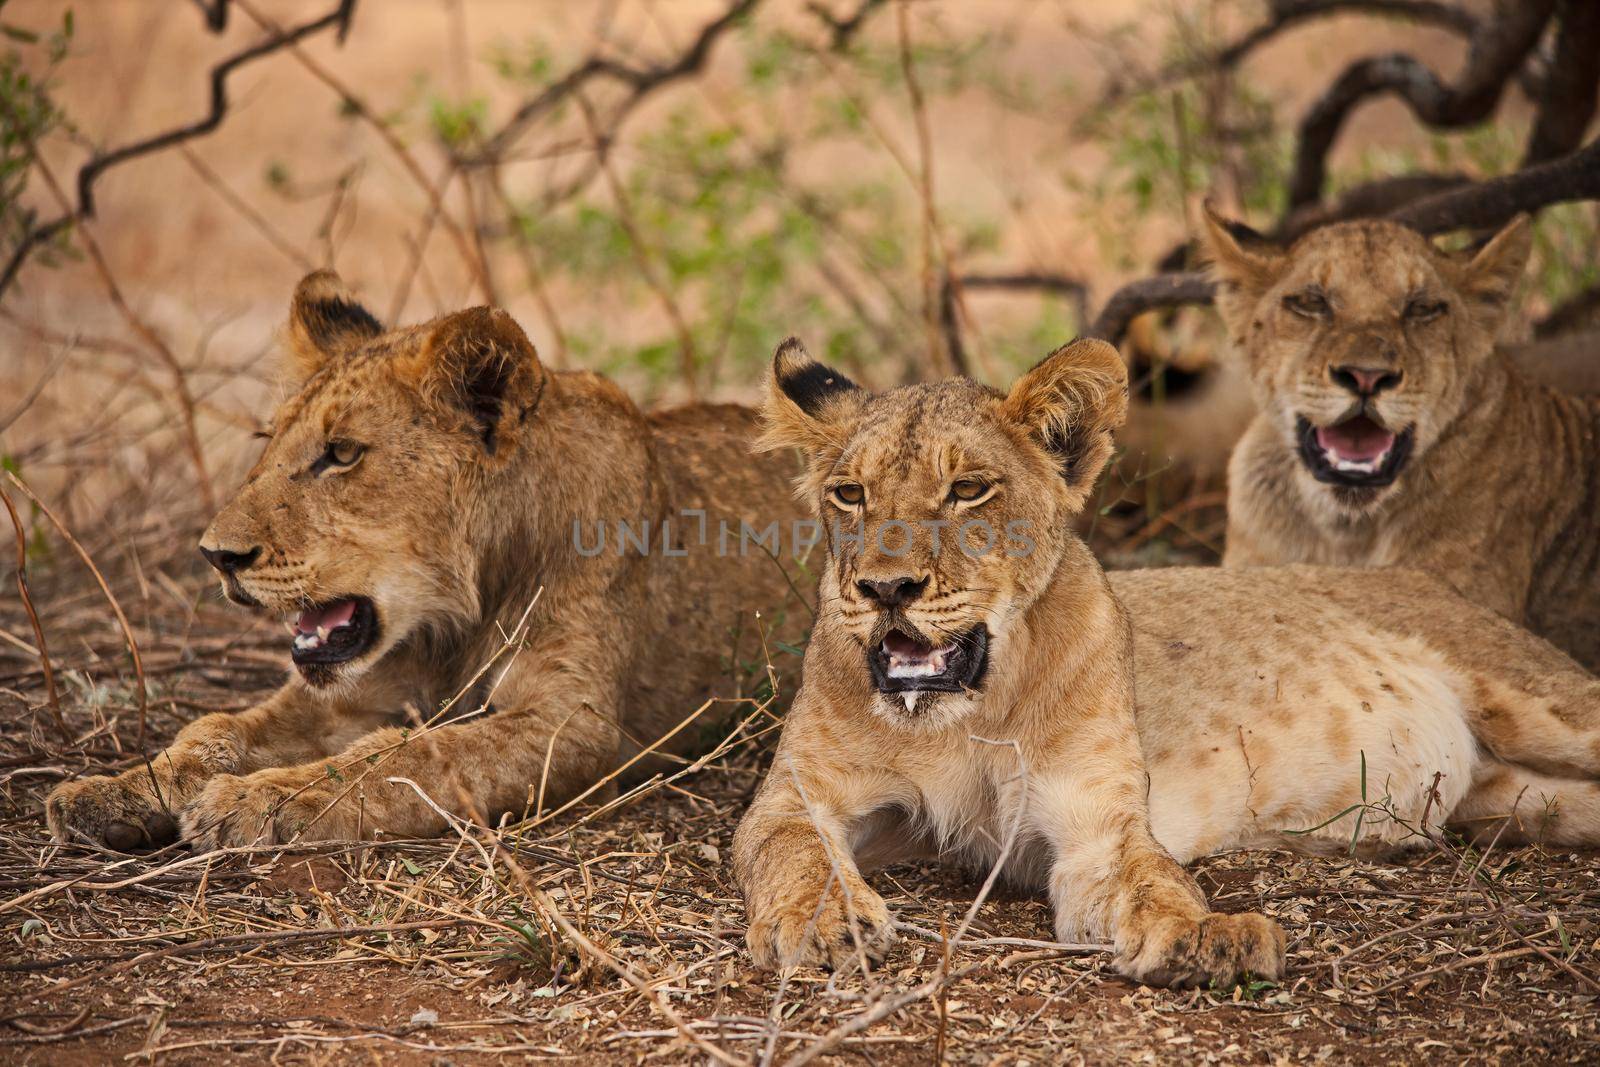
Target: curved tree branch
{"x":339,"y":16}
{"x":1149,"y":294}
{"x":1285,"y":15}
{"x":216,"y":18}
{"x":1498,"y":51}
{"x":1567,"y":99}
{"x":1490,"y":203}
{"x":641,"y":81}
{"x":1074,"y":289}
{"x":1475,"y":205}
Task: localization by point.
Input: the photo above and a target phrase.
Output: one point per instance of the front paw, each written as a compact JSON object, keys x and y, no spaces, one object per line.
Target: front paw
{"x":1218,"y":950}
{"x":794,"y":931}
{"x":125,"y":813}
{"x":261,"y":809}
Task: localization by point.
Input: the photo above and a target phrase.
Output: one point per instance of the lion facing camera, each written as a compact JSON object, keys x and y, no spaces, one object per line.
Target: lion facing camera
{"x":969,"y":691}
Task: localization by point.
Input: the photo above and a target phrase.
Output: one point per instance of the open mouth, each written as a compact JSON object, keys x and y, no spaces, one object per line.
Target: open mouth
{"x":1357,"y":451}
{"x":902,"y":663}
{"x":335,"y":632}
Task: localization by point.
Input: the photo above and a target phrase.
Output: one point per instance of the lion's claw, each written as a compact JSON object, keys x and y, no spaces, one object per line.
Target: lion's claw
{"x":799,"y":933}
{"x":259,"y":809}
{"x":1217,"y":950}
{"x":126,"y":813}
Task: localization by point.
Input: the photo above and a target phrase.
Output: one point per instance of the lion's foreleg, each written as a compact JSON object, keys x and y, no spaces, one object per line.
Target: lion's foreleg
{"x":805,"y":899}
{"x":1109,"y":876}
{"x":140,"y":807}
{"x":400,"y":783}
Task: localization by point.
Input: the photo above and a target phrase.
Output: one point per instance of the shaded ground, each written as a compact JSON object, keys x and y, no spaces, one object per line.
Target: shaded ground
{"x":439,"y":951}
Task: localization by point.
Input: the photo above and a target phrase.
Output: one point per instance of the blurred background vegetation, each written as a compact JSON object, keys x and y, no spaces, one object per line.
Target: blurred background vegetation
{"x":663,"y":190}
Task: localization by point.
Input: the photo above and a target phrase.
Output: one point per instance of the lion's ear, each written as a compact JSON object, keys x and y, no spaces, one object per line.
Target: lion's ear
{"x":1490,"y":277}
{"x":326,"y":320}
{"x":1244,"y":263}
{"x":1071,"y":404}
{"x":809,"y":406}
{"x":479,"y":363}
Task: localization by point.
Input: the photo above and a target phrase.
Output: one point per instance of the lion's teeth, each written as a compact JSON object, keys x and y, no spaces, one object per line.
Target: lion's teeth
{"x":322,"y":634}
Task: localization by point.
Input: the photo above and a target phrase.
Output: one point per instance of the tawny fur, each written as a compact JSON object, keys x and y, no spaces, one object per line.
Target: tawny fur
{"x":1273,"y":704}
{"x":478,"y":463}
{"x":1501,"y":495}
{"x":1059,"y":756}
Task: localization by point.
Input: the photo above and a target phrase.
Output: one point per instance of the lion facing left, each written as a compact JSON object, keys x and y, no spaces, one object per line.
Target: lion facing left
{"x":418,"y":493}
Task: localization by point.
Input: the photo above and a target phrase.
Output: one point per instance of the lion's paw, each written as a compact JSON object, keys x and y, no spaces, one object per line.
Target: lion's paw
{"x":1218,"y":950}
{"x":797,"y":932}
{"x":258,"y":809}
{"x":127,"y":813}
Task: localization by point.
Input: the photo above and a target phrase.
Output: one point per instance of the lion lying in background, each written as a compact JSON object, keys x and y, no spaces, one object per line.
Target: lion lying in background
{"x":1392,"y":432}
{"x":424,"y":492}
{"x":973,"y":687}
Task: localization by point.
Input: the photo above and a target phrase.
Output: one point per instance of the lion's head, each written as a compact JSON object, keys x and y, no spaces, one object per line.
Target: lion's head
{"x":945,"y":511}
{"x":358,"y":523}
{"x":1362,"y":340}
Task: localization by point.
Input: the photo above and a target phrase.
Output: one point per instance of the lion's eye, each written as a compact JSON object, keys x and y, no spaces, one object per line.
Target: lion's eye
{"x":1423,"y":310}
{"x":1309,"y":304}
{"x":849,"y":495}
{"x":968,"y":489}
{"x":338,"y":455}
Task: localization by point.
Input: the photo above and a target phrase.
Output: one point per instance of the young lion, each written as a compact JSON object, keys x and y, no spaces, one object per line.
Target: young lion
{"x":1392,"y":432}
{"x":970,"y":683}
{"x":425,"y":491}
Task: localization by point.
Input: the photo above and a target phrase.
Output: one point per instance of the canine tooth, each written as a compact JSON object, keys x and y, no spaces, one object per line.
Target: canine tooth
{"x":911,"y":701}
{"x":322,"y":634}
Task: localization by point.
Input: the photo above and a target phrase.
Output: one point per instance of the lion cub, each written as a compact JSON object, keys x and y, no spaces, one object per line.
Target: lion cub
{"x":461,"y":539}
{"x":1392,"y":432}
{"x":973,"y":676}
{"x":969,"y":681}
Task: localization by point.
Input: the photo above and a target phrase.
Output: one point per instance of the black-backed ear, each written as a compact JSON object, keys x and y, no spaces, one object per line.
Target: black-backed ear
{"x":1489,"y":278}
{"x":326,"y":320}
{"x":1071,"y":404}
{"x":1244,"y":263}
{"x":480,"y":364}
{"x":809,"y":406}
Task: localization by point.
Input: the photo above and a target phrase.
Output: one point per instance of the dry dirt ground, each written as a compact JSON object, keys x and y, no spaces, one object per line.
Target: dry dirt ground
{"x":447,"y":951}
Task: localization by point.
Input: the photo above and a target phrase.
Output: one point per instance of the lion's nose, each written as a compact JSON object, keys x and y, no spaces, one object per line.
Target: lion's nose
{"x":228,"y":561}
{"x":1365,"y":381}
{"x":893,"y":592}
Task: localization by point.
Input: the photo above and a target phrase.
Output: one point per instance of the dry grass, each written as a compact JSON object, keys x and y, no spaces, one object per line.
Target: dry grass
{"x":616,"y":936}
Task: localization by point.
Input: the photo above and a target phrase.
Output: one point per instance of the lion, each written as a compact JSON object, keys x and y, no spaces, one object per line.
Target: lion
{"x":976,"y":687}
{"x":1392,"y":432}
{"x":432,"y":514}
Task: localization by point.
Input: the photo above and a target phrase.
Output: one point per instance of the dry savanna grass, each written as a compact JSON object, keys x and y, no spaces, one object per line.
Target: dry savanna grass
{"x":613,"y":934}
